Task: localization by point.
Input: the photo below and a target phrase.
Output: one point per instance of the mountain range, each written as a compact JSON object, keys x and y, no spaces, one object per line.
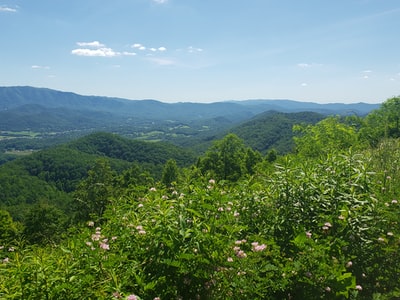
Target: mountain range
{"x":27,"y":104}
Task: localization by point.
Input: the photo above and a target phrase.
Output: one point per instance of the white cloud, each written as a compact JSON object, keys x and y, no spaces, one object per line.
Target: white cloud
{"x":153,"y":49}
{"x":160,"y":1}
{"x":102,"y":52}
{"x":367,"y":71}
{"x":94,"y":44}
{"x":4,"y":8}
{"x":137,"y":45}
{"x":40,"y":67}
{"x":304,"y":84}
{"x":98,"y":49}
{"x":162,"y":49}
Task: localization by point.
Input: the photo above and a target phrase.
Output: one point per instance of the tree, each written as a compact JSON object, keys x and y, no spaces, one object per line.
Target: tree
{"x":383,"y":122}
{"x":93,"y":194}
{"x":226,"y":159}
{"x":8,"y":229}
{"x":324,"y":137}
{"x":44,"y":224}
{"x":170,"y":173}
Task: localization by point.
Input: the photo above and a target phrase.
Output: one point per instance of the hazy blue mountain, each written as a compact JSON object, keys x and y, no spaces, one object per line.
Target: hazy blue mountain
{"x":59,"y":115}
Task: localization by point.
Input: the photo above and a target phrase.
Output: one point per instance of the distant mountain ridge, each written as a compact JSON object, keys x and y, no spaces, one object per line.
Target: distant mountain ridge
{"x":25,"y":108}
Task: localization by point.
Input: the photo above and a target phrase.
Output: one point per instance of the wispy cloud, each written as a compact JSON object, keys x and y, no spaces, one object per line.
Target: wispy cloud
{"x":36,"y":67}
{"x":162,"y":61}
{"x":192,"y":49}
{"x":97,"y":49}
{"x":308,"y":65}
{"x":4,"y":8}
{"x":160,"y":1}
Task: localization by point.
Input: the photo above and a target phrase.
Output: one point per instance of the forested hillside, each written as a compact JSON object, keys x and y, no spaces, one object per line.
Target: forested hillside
{"x":105,"y":217}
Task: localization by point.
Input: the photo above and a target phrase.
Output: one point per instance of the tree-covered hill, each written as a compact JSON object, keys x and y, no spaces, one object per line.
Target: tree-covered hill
{"x":51,"y":175}
{"x":115,"y":146}
{"x":274,"y":130}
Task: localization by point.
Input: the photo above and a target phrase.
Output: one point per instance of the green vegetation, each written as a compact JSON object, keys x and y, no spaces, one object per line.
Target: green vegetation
{"x":105,"y":217}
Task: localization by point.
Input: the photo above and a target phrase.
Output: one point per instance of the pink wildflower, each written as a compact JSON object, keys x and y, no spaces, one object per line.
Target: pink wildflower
{"x":211,"y":181}
{"x":90,"y":224}
{"x":132,"y":297}
{"x":358,"y":287}
{"x":349,"y":264}
{"x":241,"y":254}
{"x":259,"y":248}
{"x":153,"y":189}
{"x":308,"y":234}
{"x":230,"y":259}
{"x":104,"y":246}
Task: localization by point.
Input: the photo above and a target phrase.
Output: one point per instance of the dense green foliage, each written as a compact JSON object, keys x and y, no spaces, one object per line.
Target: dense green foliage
{"x":319,"y":223}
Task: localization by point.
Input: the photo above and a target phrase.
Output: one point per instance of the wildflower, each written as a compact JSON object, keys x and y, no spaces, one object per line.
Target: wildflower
{"x":90,"y":224}
{"x":394,"y":201}
{"x":211,"y":181}
{"x":153,"y":189}
{"x":220,"y":209}
{"x":164,"y":197}
{"x":95,"y":237}
{"x":104,"y":246}
{"x":140,"y":205}
{"x":381,"y":240}
{"x":157,"y":298}
{"x":1,"y":247}
{"x":241,"y":254}
{"x":230,"y":259}
{"x":132,"y":297}
{"x":259,"y":248}
{"x":89,"y":244}
{"x":358,"y":287}
{"x":341,"y":217}
{"x":142,"y":232}
{"x":327,"y":224}
{"x":117,"y":295}
{"x":6,"y":260}
{"x":389,"y":233}
{"x":349,"y":264}
{"x":328,"y":289}
{"x":308,"y":234}
{"x":98,"y":229}
{"x":113,"y":238}
{"x":238,"y":242}
{"x":139,"y":227}
{"x":11,"y":249}
{"x":236,"y":214}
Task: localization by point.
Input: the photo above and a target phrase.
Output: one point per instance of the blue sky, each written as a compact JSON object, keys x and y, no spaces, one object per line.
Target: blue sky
{"x":205,"y":50}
